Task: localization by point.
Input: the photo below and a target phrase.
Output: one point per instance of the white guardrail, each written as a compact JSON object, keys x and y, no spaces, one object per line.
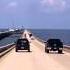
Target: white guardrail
{"x":6,"y":48}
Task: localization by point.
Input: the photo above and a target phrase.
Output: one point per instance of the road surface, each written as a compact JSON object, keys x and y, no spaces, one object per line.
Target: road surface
{"x":37,"y":59}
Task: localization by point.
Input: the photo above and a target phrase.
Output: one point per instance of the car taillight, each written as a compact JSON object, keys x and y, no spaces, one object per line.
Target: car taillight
{"x":60,"y":48}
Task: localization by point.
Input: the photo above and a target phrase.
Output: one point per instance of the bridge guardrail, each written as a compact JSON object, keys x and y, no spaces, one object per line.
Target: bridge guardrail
{"x":5,"y":49}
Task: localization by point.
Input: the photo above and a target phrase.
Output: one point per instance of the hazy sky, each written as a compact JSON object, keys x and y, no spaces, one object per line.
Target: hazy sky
{"x":35,"y":13}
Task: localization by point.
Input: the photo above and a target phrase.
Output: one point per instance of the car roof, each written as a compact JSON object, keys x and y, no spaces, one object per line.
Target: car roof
{"x":53,"y":40}
{"x":22,"y":39}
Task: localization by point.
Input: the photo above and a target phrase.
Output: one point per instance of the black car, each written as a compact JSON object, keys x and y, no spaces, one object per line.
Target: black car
{"x":22,"y":44}
{"x":53,"y":45}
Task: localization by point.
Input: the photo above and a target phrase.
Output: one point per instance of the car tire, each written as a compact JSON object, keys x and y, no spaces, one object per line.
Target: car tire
{"x":47,"y":50}
{"x":28,"y":49}
{"x":16,"y":50}
{"x":60,"y":51}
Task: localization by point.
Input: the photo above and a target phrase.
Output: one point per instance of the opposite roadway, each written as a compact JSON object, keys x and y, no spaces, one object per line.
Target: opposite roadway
{"x":37,"y":59}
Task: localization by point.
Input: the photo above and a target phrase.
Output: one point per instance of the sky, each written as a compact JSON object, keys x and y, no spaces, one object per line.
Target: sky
{"x":42,"y":14}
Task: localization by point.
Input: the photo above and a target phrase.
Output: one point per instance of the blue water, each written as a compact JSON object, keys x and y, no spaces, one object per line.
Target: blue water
{"x":45,"y":34}
{"x":10,"y":39}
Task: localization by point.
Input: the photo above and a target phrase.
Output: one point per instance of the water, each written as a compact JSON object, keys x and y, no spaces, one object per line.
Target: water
{"x":45,"y":34}
{"x":8,"y":40}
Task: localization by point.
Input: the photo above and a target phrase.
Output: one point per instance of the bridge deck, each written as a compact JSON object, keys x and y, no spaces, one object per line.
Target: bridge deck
{"x":37,"y":59}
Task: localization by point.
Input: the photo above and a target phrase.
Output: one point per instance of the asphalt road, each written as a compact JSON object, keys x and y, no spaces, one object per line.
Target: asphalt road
{"x":37,"y":59}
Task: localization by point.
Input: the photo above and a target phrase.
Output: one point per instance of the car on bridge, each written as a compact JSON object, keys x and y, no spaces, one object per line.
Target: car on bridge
{"x":53,"y":45}
{"x":22,"y":44}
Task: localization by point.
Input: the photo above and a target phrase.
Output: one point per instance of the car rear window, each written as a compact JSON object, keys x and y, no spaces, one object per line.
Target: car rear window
{"x":50,"y":41}
{"x":22,"y":41}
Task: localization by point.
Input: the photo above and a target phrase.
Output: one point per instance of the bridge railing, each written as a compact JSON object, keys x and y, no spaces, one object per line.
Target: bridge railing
{"x":6,"y":48}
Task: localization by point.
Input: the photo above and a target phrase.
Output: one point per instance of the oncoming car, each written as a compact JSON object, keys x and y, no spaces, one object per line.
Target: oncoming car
{"x":53,"y":45}
{"x":22,"y":44}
